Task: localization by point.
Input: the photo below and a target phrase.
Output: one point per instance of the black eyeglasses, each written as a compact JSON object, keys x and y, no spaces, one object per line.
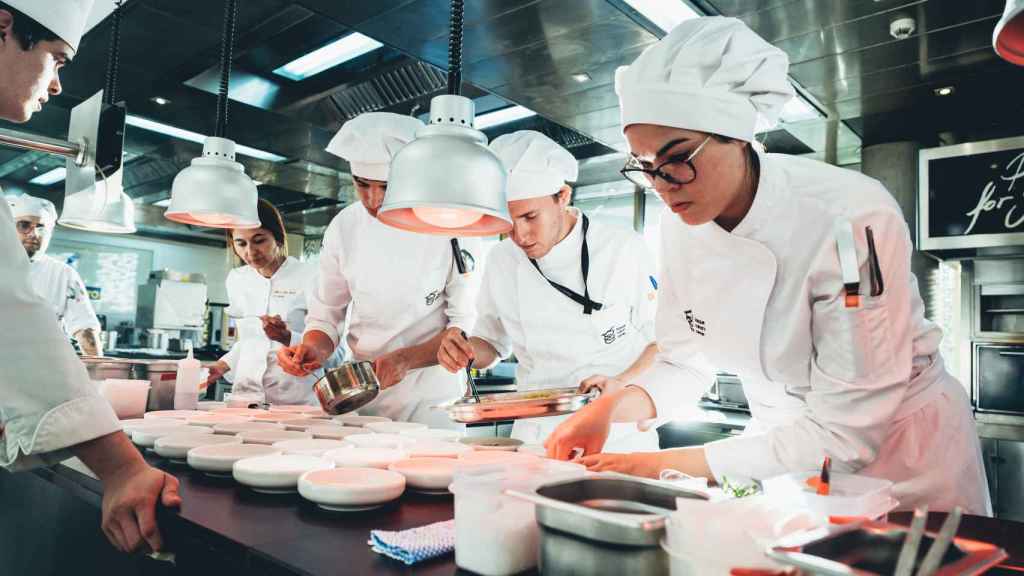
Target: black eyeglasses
{"x":24,"y":226}
{"x":677,"y":169}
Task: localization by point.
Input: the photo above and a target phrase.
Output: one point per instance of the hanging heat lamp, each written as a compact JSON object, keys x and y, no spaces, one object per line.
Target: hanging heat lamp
{"x":1008,"y":37}
{"x":103,"y":206}
{"x":214,"y":190}
{"x":447,"y":182}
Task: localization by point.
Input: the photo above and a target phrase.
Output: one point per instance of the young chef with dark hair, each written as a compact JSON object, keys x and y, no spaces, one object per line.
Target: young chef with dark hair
{"x":400,"y":290}
{"x":49,"y":409}
{"x":268,"y":296}
{"x":791,"y":273}
{"x":574,"y":299}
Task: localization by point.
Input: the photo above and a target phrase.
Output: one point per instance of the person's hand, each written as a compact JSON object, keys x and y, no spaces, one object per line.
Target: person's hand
{"x":275,"y":329}
{"x":390,"y":369}
{"x":216,"y":371}
{"x":455,"y":351}
{"x":298,"y":360}
{"x":586,"y":430}
{"x":606,"y":384}
{"x":646,"y":464}
{"x":129,"y":505}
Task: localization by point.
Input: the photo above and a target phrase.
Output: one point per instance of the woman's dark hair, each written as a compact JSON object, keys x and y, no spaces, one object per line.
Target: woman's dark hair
{"x":26,"y":30}
{"x":271,"y":221}
{"x":753,"y":162}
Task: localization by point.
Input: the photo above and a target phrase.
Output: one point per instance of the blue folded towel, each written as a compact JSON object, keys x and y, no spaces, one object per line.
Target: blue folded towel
{"x":415,"y":544}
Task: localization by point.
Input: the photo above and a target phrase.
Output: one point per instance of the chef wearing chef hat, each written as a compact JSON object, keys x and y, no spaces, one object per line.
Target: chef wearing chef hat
{"x":791,"y":273}
{"x":401,"y":290}
{"x":49,"y":408}
{"x":573,"y":299}
{"x":58,"y":284}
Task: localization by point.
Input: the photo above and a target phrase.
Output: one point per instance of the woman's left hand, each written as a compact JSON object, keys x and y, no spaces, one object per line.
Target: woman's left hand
{"x":275,"y":329}
{"x":390,"y":369}
{"x":646,"y":464}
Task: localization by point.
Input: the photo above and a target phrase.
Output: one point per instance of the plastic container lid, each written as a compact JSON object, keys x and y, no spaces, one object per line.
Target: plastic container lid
{"x":851,"y":495}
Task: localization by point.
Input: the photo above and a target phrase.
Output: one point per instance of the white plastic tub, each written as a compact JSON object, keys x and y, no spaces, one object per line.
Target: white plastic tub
{"x":851,"y":497}
{"x":127,"y":397}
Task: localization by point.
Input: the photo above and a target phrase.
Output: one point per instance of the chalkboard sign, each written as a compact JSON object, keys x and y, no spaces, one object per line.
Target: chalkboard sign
{"x":972,"y":195}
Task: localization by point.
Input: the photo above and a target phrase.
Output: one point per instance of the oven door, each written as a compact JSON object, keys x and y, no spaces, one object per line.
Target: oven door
{"x":999,"y":378}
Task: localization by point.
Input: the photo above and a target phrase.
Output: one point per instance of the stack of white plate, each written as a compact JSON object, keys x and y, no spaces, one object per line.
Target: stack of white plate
{"x":276,"y":474}
{"x":353,"y":457}
{"x":265,"y":416}
{"x":218,"y":459}
{"x":248,"y":426}
{"x":379,"y":440}
{"x":271,"y":436}
{"x":351,"y":489}
{"x":334,"y":432}
{"x":432,"y":434}
{"x":350,"y":420}
{"x":148,"y":435}
{"x":214,"y":419}
{"x":436,"y":449}
{"x":427,"y":475}
{"x":308,"y":447}
{"x":304,"y":423}
{"x":175,"y":446}
{"x":174,"y":414}
{"x":132,"y":424}
{"x":394,"y":427}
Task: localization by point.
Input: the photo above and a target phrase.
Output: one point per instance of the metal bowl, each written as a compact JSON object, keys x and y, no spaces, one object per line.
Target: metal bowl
{"x":347,"y":387}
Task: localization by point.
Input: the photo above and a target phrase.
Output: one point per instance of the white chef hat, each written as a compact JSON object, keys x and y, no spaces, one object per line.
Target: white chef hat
{"x":369,"y":142}
{"x":537,"y":166}
{"x":65,"y":18}
{"x":710,"y":74}
{"x":25,"y":205}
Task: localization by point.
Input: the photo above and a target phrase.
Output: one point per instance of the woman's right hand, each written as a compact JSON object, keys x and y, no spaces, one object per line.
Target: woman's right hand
{"x":216,"y":371}
{"x":455,"y":351}
{"x":298,"y":360}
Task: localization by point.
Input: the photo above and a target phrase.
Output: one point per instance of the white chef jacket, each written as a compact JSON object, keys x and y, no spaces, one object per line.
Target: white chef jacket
{"x":556,"y":344}
{"x":47,"y":402}
{"x":399,"y":289}
{"x":253,"y":358}
{"x":62,"y":288}
{"x":864,"y":385}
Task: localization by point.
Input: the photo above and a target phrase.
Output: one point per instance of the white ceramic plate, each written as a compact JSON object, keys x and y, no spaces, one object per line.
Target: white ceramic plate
{"x":272,"y":436}
{"x":479,"y":457}
{"x":335,"y":432}
{"x":132,"y":424}
{"x":296,"y":408}
{"x":436,"y":449}
{"x":374,"y":440}
{"x":146,"y":437}
{"x":214,"y":419}
{"x":308,"y":447}
{"x":207,"y":405}
{"x":175,"y":414}
{"x":218,"y":459}
{"x":176,"y":446}
{"x":241,"y":411}
{"x":394,"y":427}
{"x":248,"y":426}
{"x":352,"y":457}
{"x":265,"y":416}
{"x":305,"y":423}
{"x":492,"y":443}
{"x":347,"y":489}
{"x":276,"y":474}
{"x":432,"y":434}
{"x":350,"y":420}
{"x":433,"y":474}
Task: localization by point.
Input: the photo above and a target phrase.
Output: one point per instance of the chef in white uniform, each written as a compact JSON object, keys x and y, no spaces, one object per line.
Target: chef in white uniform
{"x":574,"y":299}
{"x":401,"y":290}
{"x":791,"y":273}
{"x":268,"y":297}
{"x":57,"y":282}
{"x":49,"y":409}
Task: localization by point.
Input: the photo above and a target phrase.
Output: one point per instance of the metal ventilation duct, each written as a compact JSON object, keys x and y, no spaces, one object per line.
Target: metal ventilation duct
{"x":403,"y":84}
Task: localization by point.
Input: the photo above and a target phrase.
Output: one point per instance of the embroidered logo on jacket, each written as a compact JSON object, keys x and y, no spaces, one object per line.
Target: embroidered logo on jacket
{"x":696,"y":324}
{"x":613,"y":333}
{"x":433,"y":297}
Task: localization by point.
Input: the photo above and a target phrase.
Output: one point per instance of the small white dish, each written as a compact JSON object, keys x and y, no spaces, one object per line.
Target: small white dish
{"x":432,"y":434}
{"x":492,"y":443}
{"x":132,"y":424}
{"x":276,"y":474}
{"x":248,"y":426}
{"x":394,"y":427}
{"x":218,"y":459}
{"x":272,"y":436}
{"x":436,"y":449}
{"x":176,"y":446}
{"x":374,"y":440}
{"x":306,"y":423}
{"x":360,"y":421}
{"x":295,"y":408}
{"x":146,"y":437}
{"x":265,"y":416}
{"x":214,"y":419}
{"x":308,"y":447}
{"x":335,"y":432}
{"x":174,"y":414}
{"x":427,"y":474}
{"x":353,"y":457}
{"x":351,"y":489}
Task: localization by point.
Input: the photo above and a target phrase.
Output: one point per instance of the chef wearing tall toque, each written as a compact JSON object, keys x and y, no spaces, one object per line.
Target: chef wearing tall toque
{"x":794,"y":275}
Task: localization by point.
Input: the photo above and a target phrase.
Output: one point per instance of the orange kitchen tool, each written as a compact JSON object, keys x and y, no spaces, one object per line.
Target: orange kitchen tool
{"x":824,"y":480}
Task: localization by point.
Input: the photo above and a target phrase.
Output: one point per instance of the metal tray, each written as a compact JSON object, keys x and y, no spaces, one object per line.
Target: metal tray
{"x":871,"y":548}
{"x":517,"y":405}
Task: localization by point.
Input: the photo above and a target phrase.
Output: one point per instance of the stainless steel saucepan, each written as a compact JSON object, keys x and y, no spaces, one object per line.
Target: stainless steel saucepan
{"x":347,"y":387}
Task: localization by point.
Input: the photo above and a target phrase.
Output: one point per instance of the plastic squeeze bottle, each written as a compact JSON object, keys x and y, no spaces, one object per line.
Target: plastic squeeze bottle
{"x":186,"y":385}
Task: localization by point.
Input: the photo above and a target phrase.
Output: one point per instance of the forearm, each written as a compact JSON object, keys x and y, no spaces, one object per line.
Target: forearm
{"x":421,"y":355}
{"x":483,"y":353}
{"x":89,"y":342}
{"x":630,"y":404}
{"x":641,"y":364}
{"x":109,"y":455}
{"x":319,"y":343}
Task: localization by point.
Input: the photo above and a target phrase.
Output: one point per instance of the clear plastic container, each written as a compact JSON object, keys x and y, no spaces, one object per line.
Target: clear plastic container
{"x":127,"y":397}
{"x":851,"y":497}
{"x":495,"y":534}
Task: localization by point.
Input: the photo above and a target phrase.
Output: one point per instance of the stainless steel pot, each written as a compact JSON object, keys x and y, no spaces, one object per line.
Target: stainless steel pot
{"x":103,"y":367}
{"x":347,"y":387}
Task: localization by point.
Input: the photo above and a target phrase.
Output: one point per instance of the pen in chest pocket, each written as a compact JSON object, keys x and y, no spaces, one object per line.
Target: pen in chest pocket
{"x":874,"y":269}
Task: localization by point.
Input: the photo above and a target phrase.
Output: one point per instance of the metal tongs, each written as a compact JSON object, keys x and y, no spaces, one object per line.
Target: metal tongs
{"x":469,"y":376}
{"x":933,"y":558}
